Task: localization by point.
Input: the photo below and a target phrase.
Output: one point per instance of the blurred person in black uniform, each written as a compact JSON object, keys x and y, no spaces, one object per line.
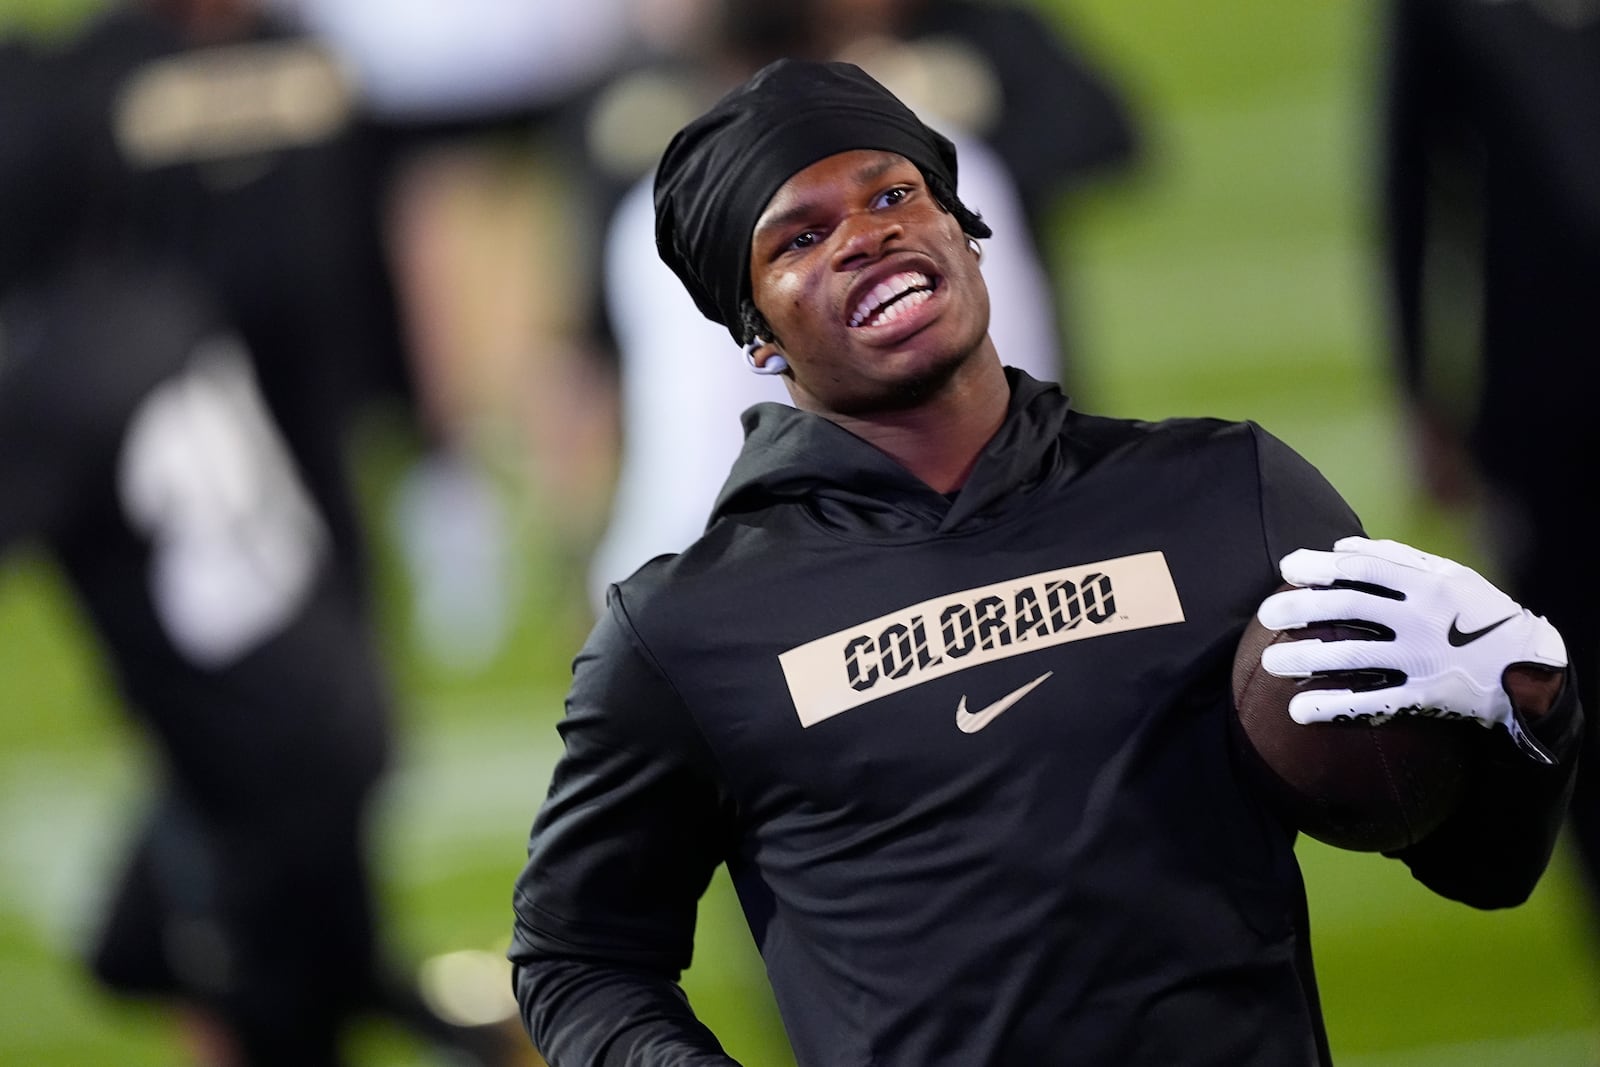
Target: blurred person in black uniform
{"x":1492,"y":200}
{"x":194,"y":303}
{"x":197,"y":132}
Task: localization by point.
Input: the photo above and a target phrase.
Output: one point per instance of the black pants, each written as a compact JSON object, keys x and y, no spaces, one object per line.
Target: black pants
{"x":265,"y":921}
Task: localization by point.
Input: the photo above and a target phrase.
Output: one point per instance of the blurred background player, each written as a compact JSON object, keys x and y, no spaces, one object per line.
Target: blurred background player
{"x":490,"y":272}
{"x":194,"y":304}
{"x":1492,"y":198}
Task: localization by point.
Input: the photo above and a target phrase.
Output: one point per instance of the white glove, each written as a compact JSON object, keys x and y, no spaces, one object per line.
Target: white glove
{"x":1454,"y":636}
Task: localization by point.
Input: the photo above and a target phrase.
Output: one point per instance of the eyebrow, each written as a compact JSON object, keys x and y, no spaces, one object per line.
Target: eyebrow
{"x":865,"y":173}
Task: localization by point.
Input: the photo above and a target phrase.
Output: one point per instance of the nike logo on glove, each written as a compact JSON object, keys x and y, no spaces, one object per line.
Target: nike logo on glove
{"x":1457,"y":638}
{"x":970,"y":722}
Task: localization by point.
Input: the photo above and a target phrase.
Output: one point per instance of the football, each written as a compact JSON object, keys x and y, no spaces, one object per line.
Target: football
{"x":1353,"y":785}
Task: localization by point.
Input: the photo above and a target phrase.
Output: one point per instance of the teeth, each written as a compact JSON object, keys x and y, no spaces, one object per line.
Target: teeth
{"x":900,"y":307}
{"x":914,"y":282}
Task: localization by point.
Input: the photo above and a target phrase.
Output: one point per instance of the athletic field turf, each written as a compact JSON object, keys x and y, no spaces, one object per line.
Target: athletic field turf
{"x":1233,"y":276}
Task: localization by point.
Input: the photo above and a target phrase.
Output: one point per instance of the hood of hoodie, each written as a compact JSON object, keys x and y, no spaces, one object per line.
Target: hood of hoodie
{"x":793,"y":456}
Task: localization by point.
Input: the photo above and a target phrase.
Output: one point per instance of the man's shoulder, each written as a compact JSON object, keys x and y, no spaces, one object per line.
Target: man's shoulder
{"x":708,"y":562}
{"x":1181,"y":433}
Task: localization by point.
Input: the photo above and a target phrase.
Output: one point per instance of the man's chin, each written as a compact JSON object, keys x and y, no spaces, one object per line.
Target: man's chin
{"x":909,"y":390}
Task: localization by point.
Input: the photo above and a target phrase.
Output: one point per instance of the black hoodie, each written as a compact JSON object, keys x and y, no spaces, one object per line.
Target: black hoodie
{"x":969,"y":760}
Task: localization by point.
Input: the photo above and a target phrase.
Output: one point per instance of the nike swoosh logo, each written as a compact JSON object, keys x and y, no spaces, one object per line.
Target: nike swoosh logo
{"x":970,"y":722}
{"x":1457,"y":638}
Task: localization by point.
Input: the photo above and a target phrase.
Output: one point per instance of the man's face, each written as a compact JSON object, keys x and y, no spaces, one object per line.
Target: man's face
{"x":868,"y":283}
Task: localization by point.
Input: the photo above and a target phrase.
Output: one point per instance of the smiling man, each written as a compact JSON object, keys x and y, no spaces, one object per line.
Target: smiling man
{"x":945,"y":683}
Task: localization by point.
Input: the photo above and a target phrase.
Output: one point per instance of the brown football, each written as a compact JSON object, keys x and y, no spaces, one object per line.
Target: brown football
{"x":1354,"y":785}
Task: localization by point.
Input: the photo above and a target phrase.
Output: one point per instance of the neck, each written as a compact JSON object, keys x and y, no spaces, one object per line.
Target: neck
{"x":939,"y":441}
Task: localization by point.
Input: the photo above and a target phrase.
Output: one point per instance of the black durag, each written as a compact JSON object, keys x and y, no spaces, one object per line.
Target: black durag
{"x":719,"y":172}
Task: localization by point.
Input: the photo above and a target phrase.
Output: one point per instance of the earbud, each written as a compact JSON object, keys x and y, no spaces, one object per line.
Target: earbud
{"x":775,"y":363}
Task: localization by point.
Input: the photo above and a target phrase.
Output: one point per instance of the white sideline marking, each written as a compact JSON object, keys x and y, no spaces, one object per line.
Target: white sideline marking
{"x":64,"y":821}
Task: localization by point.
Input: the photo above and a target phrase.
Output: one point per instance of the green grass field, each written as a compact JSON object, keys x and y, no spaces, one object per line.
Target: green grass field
{"x":1235,"y":276}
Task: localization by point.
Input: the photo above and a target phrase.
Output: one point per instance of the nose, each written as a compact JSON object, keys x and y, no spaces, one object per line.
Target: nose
{"x":862,"y":237}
